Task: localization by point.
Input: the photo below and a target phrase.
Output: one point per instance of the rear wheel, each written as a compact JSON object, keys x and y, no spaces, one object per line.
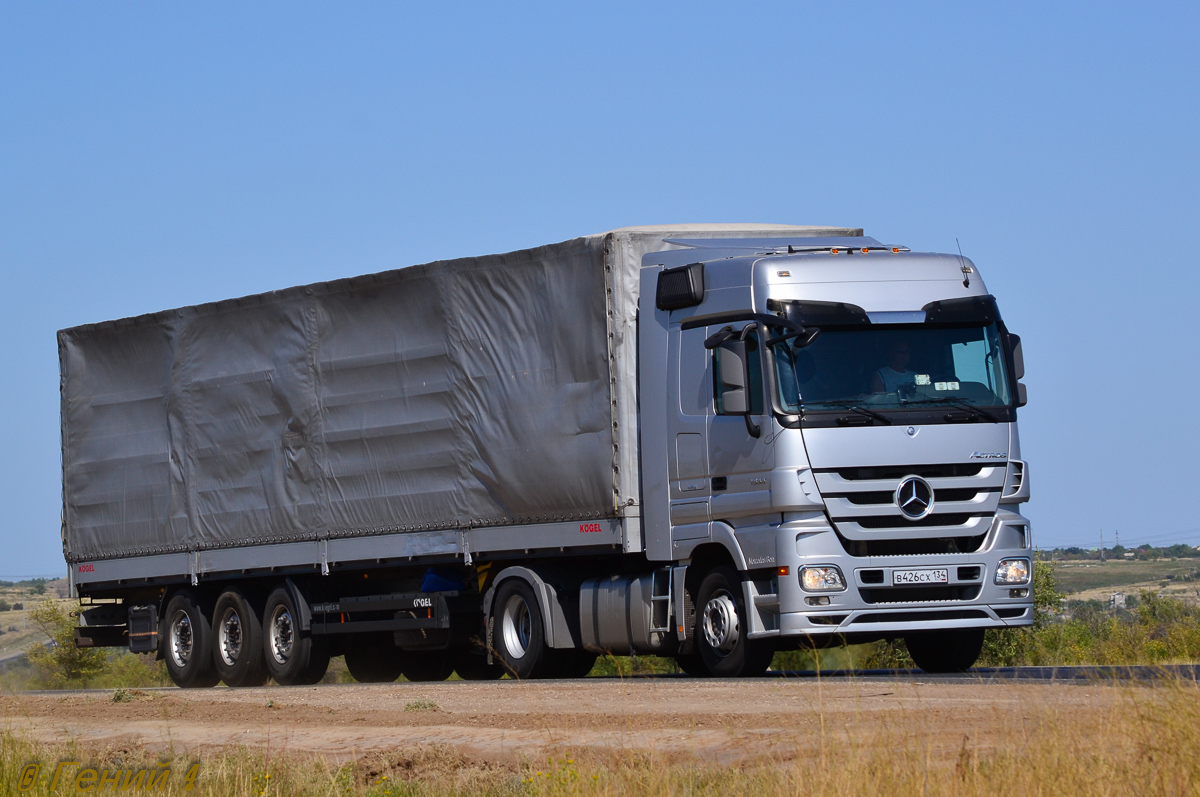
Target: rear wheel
{"x":517,"y":630}
{"x":187,"y":642}
{"x":427,"y":665}
{"x":692,"y":664}
{"x":293,"y":657}
{"x":721,"y":629}
{"x":473,"y":666}
{"x":945,"y":651}
{"x":568,"y":664}
{"x":373,"y":658}
{"x":237,"y":641}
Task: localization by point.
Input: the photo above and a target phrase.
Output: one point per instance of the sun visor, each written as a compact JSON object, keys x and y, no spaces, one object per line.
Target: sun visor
{"x":981,"y":310}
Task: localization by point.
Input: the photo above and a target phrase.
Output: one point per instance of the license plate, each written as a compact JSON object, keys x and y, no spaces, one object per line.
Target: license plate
{"x":941,"y":576}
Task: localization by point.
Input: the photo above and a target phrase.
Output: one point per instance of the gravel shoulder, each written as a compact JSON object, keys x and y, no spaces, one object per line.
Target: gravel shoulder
{"x":724,"y":722}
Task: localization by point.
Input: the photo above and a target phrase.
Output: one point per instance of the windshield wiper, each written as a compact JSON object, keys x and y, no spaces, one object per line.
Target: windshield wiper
{"x":961,"y":404}
{"x":850,"y":405}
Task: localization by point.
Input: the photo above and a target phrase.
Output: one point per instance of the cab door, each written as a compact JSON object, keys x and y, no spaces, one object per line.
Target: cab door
{"x":739,"y":463}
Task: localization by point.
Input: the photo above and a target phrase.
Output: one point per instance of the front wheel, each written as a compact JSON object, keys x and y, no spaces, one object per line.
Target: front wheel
{"x":945,"y":651}
{"x":721,"y":628}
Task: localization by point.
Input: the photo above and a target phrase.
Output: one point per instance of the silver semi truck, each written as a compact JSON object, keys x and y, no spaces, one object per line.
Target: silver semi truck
{"x":708,"y":442}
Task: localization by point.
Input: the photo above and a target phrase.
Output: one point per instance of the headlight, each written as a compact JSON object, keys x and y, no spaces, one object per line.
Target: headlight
{"x":1013,"y":571}
{"x":826,"y":578}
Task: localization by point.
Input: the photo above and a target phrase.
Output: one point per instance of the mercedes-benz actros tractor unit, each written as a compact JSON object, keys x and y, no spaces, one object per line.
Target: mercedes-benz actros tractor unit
{"x":706,"y":442}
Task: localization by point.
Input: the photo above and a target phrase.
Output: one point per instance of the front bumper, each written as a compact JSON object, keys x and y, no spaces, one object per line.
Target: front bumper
{"x":870,"y":606}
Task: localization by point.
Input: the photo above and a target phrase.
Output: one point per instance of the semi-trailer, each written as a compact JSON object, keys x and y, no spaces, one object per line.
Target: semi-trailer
{"x":706,"y":442}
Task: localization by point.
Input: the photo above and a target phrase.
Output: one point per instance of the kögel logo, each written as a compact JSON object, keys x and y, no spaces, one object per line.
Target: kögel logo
{"x":87,"y":568}
{"x":914,"y":496}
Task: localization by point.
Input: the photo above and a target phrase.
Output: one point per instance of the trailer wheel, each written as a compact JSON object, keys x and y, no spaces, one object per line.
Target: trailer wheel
{"x":426,"y":665}
{"x":946,"y":651}
{"x":237,"y":641}
{"x":721,"y":629}
{"x":293,"y":657}
{"x":187,"y":642}
{"x":472,"y":666}
{"x":518,"y":633}
{"x":373,"y":658}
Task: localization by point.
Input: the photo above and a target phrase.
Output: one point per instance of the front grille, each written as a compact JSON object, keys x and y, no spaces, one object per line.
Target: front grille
{"x":900,"y":522}
{"x":877,"y":497}
{"x":968,"y":573}
{"x":935,"y":594}
{"x":934,"y":545}
{"x":900,"y":471}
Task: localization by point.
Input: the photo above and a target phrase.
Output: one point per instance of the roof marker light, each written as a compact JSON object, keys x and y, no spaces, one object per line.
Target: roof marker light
{"x":783,"y":273}
{"x":833,"y":251}
{"x":895,"y":250}
{"x":865,"y":250}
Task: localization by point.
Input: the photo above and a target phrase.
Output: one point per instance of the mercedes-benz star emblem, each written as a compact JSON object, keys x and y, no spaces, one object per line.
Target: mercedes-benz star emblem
{"x":914,"y":496}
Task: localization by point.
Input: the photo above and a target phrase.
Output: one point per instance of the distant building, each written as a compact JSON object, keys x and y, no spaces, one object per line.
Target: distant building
{"x":1129,"y":554}
{"x":1116,"y":600}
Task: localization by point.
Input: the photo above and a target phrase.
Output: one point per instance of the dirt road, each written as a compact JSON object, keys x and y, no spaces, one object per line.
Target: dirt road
{"x":719,"y":721}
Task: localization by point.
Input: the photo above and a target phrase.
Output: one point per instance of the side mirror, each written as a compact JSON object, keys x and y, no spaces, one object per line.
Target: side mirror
{"x":1022,"y":395}
{"x":735,"y":377}
{"x":1017,"y":356}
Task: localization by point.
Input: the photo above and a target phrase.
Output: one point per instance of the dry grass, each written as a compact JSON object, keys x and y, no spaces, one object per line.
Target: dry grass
{"x":1145,"y":743}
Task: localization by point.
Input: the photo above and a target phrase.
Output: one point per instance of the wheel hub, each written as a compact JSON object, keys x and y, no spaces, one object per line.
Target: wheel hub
{"x":282,"y":635}
{"x":229,"y":637}
{"x":720,"y":623}
{"x":181,"y":639}
{"x":516,"y":626}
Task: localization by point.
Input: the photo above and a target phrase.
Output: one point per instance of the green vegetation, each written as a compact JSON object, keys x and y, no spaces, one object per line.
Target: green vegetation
{"x":61,"y":665}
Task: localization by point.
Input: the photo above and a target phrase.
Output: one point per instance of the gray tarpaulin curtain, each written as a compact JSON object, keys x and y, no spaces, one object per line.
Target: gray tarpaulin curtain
{"x":459,"y":393}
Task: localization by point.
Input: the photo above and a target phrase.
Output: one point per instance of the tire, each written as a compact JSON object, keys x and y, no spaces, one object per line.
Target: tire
{"x":187,"y":642}
{"x":692,"y":665}
{"x":945,"y":651}
{"x":373,"y":658}
{"x":472,"y":666}
{"x":568,"y":664}
{"x":721,"y":629}
{"x":427,"y":665}
{"x":518,"y":632}
{"x":293,"y":657}
{"x":237,"y":641}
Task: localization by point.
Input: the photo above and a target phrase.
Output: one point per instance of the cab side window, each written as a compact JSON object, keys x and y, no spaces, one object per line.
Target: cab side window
{"x":755,"y":362}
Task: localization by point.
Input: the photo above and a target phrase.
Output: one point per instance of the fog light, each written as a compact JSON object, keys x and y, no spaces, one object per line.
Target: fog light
{"x":826,"y":578}
{"x":821,"y":601}
{"x":1018,"y":593}
{"x":1013,"y":571}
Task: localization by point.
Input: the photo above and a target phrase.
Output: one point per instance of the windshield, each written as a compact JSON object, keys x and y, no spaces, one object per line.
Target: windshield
{"x":894,"y":367}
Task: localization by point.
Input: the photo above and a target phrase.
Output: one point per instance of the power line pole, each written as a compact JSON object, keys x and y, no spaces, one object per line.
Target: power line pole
{"x":1101,"y":545}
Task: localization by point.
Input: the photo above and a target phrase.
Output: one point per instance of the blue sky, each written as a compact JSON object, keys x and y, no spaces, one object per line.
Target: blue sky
{"x":157,"y":155}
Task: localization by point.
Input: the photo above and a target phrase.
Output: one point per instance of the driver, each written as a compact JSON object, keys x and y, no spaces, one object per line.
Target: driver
{"x":890,"y":377}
